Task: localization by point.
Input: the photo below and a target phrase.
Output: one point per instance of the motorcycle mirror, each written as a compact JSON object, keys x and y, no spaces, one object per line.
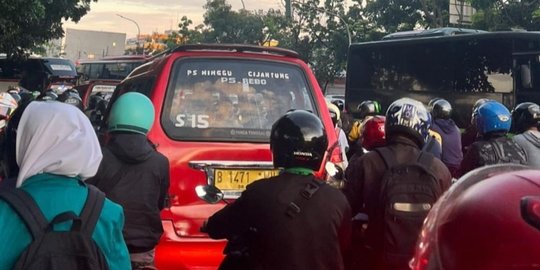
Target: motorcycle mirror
{"x":209,"y":193}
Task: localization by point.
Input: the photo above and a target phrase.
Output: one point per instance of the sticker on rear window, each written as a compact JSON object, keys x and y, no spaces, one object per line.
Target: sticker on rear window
{"x":61,"y":67}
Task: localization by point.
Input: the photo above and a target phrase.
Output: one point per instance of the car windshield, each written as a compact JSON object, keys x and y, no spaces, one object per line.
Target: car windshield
{"x":231,"y":99}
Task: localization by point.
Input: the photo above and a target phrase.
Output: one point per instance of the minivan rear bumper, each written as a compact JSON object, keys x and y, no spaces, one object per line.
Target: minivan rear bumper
{"x":184,"y":253}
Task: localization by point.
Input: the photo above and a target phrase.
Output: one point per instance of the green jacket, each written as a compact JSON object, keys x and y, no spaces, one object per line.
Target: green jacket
{"x":56,"y":194}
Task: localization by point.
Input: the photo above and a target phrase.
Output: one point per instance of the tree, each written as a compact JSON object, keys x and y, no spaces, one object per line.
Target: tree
{"x":394,"y":15}
{"x":402,"y":15}
{"x":25,"y":25}
{"x":506,"y":14}
{"x":228,"y":26}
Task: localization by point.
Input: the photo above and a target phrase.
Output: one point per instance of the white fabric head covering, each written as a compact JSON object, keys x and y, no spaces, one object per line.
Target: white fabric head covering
{"x":57,"y":138}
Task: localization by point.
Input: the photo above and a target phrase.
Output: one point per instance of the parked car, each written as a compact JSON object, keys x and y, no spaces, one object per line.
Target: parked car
{"x":215,"y":105}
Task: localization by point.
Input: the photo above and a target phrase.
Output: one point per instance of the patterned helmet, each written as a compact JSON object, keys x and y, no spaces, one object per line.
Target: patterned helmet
{"x":8,"y":104}
{"x":408,"y":117}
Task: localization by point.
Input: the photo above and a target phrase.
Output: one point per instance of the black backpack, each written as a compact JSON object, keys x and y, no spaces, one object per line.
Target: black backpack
{"x":73,"y":249}
{"x":501,"y":150}
{"x":408,"y":192}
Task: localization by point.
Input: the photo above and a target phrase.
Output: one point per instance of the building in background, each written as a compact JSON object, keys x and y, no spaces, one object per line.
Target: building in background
{"x":87,"y":44}
{"x":461,"y":12}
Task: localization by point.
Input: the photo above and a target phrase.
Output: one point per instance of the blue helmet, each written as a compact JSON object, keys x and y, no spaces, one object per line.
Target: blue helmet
{"x":491,"y":117}
{"x":409,"y":117}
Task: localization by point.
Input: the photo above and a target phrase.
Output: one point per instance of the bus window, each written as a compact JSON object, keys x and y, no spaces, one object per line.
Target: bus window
{"x":503,"y":66}
{"x":112,"y":69}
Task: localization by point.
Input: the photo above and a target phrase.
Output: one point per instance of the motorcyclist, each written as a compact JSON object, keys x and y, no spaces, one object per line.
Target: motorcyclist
{"x":7,"y":107}
{"x":488,"y":220}
{"x":470,"y":134}
{"x":97,"y":105}
{"x":293,"y":220}
{"x":346,"y":119}
{"x":135,"y":175}
{"x":14,"y":91}
{"x":342,"y":138}
{"x":366,"y":110}
{"x":493,"y":121}
{"x":406,"y":129}
{"x":72,"y":97}
{"x":373,"y":135}
{"x":49,"y":94}
{"x":441,"y":111}
{"x":525,"y":120}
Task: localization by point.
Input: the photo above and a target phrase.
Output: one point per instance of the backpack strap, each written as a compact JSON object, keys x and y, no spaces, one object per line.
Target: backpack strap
{"x":92,"y":209}
{"x":295,"y":207}
{"x":430,"y":144}
{"x":26,"y":207}
{"x":388,"y":157}
{"x":426,"y":159}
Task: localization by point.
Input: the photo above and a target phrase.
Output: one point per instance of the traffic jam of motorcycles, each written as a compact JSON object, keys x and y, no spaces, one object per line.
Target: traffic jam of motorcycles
{"x":232,"y":156}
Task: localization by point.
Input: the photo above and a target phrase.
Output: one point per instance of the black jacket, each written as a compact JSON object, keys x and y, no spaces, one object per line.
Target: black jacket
{"x":142,"y":180}
{"x":362,"y":189}
{"x":314,"y":239}
{"x":492,"y":150}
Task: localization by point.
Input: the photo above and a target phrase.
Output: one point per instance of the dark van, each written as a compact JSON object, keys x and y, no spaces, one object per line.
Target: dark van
{"x":37,"y":73}
{"x":215,"y":105}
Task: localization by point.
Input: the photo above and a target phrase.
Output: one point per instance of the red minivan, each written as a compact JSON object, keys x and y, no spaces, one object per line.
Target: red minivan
{"x":215,"y":105}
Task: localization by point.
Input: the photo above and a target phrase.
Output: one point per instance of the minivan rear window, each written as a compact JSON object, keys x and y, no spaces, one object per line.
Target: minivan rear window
{"x":231,"y":99}
{"x":63,"y":68}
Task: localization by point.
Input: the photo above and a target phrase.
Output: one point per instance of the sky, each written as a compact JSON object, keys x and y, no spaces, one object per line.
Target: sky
{"x":153,"y":15}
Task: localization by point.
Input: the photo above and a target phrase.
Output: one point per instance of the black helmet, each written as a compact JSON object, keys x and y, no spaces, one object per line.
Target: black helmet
{"x":475,"y":107}
{"x":368,"y":107}
{"x":71,"y":97}
{"x":298,"y":139}
{"x":408,"y":117}
{"x":93,"y":101}
{"x":524,"y":116}
{"x":48,"y":95}
{"x":339,"y":103}
{"x":441,"y":109}
{"x":431,"y":102}
{"x":479,"y":103}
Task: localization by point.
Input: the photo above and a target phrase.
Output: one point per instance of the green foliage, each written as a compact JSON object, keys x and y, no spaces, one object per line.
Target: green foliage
{"x":228,"y":26}
{"x":496,"y":15}
{"x":26,"y":25}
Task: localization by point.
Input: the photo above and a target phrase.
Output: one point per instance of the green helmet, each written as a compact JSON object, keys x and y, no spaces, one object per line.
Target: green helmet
{"x":132,"y":112}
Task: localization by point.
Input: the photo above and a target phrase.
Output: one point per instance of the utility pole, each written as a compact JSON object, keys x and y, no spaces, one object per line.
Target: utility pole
{"x":288,"y":9}
{"x":138,"y":32}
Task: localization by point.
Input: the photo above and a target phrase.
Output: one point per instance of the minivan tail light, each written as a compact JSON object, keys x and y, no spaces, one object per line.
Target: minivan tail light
{"x":336,"y":155}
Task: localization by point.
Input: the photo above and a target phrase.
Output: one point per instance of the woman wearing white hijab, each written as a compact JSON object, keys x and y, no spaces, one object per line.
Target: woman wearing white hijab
{"x":56,"y":150}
